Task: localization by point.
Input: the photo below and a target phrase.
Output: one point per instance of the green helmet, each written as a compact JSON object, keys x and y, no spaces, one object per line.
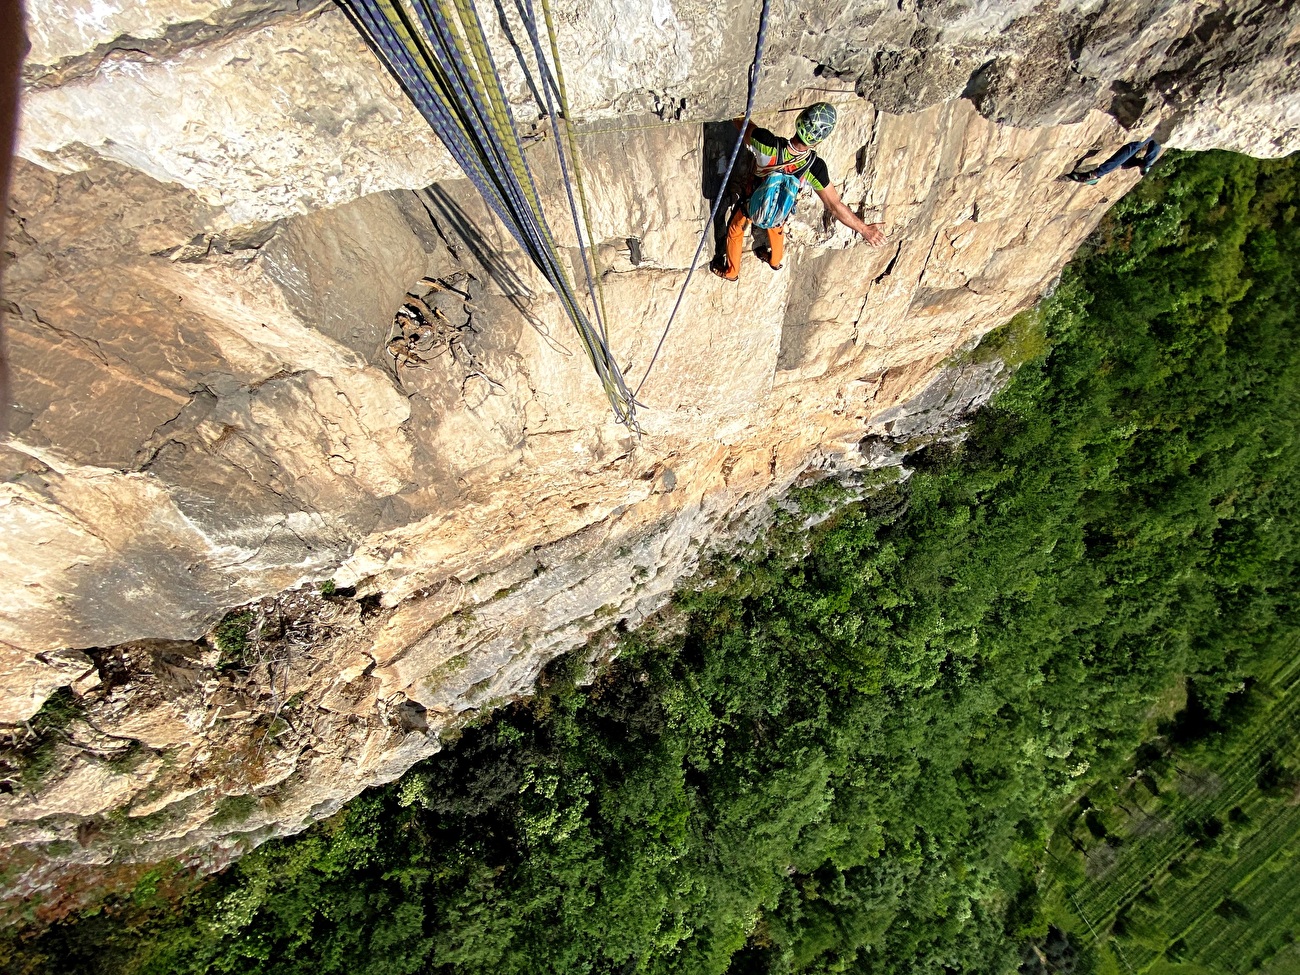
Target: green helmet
{"x":815,"y":123}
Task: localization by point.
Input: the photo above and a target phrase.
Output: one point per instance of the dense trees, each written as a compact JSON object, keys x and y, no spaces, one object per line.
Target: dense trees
{"x":852,"y":760}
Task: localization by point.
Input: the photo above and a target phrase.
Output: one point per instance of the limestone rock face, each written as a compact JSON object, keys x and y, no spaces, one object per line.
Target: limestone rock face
{"x":296,"y":100}
{"x":1209,"y":74}
{"x":223,"y":205}
{"x":285,"y":112}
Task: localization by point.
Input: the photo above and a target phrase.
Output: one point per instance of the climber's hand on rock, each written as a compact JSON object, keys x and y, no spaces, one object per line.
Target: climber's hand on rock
{"x":872,"y":234}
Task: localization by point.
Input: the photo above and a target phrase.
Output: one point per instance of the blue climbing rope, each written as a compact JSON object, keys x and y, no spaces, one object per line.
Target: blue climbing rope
{"x":437,"y":50}
{"x":755,"y":70}
{"x":548,"y":87}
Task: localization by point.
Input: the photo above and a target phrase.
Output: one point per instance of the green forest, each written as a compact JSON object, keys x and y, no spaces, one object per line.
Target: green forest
{"x":1033,"y":708}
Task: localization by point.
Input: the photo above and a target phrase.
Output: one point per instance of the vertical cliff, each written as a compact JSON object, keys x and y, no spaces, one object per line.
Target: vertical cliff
{"x":223,"y":205}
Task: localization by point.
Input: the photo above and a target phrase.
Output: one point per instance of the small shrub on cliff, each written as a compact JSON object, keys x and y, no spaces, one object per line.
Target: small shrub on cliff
{"x":59,"y":710}
{"x":33,"y":756}
{"x":233,"y":810}
{"x":231,"y":637}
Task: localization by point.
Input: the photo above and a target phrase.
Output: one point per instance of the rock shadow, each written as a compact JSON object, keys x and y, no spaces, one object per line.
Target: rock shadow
{"x":452,"y":218}
{"x":719,"y":139}
{"x":1127,"y":103}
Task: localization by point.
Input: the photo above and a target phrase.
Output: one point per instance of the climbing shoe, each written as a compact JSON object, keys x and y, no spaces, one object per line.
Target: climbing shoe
{"x":722,"y":272}
{"x":765,"y":255}
{"x":1085,"y":177}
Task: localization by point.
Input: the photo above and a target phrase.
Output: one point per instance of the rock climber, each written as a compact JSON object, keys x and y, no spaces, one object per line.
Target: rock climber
{"x":1142,"y":154}
{"x":782,"y":167}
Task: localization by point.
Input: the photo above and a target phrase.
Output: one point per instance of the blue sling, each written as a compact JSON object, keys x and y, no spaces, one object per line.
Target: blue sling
{"x":771,"y":203}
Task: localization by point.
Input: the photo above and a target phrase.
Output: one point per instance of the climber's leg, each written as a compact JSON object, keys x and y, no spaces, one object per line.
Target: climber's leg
{"x":1119,"y":159}
{"x":773,"y":251}
{"x":1150,"y":156}
{"x":776,"y":246}
{"x":735,"y":241}
{"x":1145,"y":156}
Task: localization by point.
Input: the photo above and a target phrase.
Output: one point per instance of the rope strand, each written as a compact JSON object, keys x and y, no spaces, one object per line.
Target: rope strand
{"x":530,"y":25}
{"x":438,"y":53}
{"x":601,"y":314}
{"x":755,"y":70}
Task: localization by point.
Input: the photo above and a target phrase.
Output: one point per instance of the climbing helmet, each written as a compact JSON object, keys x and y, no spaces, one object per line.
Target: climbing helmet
{"x":815,"y":123}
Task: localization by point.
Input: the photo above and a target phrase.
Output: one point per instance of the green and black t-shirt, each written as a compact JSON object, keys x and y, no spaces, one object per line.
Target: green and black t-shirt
{"x":772,"y":150}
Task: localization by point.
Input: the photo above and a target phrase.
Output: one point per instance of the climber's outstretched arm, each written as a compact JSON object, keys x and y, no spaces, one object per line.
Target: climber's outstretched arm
{"x":871,"y":232}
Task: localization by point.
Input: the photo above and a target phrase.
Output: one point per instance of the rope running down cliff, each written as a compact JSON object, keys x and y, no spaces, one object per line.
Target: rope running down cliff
{"x":755,"y":70}
{"x":450,"y":77}
{"x":556,"y":84}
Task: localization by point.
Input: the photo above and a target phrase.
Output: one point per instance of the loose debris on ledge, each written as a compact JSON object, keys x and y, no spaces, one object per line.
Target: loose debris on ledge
{"x":432,"y":322}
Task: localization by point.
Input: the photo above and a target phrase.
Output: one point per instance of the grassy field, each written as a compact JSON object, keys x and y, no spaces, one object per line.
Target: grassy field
{"x":1186,"y":862}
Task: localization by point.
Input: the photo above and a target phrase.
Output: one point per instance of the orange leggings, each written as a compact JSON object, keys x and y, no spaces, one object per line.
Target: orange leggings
{"x":736,"y":240}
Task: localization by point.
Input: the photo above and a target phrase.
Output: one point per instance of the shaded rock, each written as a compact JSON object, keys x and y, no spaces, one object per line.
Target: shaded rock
{"x":944,"y":406}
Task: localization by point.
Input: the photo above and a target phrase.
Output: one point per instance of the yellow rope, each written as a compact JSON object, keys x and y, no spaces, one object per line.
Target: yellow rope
{"x":478,"y":60}
{"x":577,"y":160}
{"x":487,"y":83}
{"x":412,"y":37}
{"x":395,"y":30}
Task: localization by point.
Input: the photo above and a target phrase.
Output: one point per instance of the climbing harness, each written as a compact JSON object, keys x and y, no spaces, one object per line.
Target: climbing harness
{"x":415,"y":340}
{"x":754,"y":70}
{"x":424,"y":331}
{"x":437,"y":51}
